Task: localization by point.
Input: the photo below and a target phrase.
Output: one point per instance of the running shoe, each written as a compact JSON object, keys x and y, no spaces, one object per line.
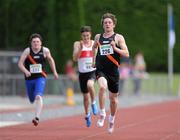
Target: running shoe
{"x":100,"y":122}
{"x":94,"y":109}
{"x":88,"y":120}
{"x":111,"y":127}
{"x":35,"y":121}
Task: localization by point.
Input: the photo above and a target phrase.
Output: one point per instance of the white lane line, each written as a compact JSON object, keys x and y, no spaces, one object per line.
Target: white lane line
{"x":9,"y":106}
{"x":10,"y":123}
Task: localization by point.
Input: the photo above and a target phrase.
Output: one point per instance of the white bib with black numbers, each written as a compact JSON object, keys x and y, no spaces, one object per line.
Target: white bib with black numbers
{"x":35,"y":68}
{"x":106,"y":49}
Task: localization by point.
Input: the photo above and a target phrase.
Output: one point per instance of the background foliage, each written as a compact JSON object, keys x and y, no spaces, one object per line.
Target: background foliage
{"x":143,"y":23}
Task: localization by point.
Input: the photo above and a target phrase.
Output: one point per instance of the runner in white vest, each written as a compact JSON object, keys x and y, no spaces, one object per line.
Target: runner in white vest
{"x":82,"y":53}
{"x":86,"y":58}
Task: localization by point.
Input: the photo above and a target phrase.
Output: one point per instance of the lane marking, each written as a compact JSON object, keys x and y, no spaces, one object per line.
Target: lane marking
{"x":10,"y":123}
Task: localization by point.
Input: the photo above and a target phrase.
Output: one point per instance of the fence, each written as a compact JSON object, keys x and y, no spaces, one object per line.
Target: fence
{"x":154,"y":85}
{"x":12,"y":80}
{"x":15,"y":85}
{"x":11,"y":84}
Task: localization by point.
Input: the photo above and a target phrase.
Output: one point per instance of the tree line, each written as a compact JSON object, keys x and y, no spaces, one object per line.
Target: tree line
{"x":143,"y":24}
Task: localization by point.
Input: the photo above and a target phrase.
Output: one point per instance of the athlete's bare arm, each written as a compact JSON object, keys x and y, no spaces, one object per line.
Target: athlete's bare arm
{"x":120,"y":41}
{"x":22,"y":60}
{"x":50,"y":59}
{"x":95,"y":47}
{"x":77,"y":50}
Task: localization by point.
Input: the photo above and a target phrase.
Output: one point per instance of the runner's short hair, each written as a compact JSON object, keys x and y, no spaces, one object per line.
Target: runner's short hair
{"x":35,"y":35}
{"x":109,"y":15}
{"x":85,"y":29}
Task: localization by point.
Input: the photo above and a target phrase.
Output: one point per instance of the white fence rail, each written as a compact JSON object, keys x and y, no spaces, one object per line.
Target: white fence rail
{"x":11,"y":84}
{"x":12,"y":80}
{"x":15,"y":85}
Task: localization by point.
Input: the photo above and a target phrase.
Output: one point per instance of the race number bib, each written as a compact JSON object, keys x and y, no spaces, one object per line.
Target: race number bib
{"x":106,"y":49}
{"x":88,"y":65}
{"x":36,"y":68}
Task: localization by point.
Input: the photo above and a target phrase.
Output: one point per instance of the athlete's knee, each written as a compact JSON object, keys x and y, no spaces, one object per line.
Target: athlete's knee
{"x":38,"y":97}
{"x":90,"y":84}
{"x":102,"y":88}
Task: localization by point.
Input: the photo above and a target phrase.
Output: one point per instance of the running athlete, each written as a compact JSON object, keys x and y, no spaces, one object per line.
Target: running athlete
{"x":32,"y":64}
{"x":82,"y":53}
{"x":109,"y":46}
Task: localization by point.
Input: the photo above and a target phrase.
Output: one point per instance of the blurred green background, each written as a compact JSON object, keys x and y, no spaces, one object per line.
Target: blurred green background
{"x":143,"y":23}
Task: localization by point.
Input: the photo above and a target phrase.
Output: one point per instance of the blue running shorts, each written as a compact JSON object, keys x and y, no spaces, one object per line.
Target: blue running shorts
{"x":35,"y":87}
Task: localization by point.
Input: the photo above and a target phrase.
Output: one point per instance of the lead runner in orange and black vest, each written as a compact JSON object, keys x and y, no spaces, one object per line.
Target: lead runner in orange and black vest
{"x":109,"y":47}
{"x":32,"y":64}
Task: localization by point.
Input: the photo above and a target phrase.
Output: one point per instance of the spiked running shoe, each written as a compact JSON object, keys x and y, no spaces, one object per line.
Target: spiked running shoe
{"x":88,"y":120}
{"x":94,"y":109}
{"x":110,"y":127}
{"x":100,"y":122}
{"x":35,"y":121}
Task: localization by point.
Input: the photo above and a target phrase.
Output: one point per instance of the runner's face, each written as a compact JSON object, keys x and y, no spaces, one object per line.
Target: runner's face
{"x":36,"y":43}
{"x":86,"y":36}
{"x":108,"y":25}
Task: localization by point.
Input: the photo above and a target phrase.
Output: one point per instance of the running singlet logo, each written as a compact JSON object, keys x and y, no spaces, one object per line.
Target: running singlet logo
{"x":106,"y":49}
{"x":36,"y":68}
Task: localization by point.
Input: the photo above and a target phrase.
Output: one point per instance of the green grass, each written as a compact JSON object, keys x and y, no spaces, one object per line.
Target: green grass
{"x":176,"y":80}
{"x":176,"y":83}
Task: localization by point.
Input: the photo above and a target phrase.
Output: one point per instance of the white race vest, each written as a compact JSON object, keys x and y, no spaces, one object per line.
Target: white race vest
{"x":86,"y":59}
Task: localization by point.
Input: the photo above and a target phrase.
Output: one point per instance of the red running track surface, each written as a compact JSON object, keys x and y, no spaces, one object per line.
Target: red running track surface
{"x":160,"y":121}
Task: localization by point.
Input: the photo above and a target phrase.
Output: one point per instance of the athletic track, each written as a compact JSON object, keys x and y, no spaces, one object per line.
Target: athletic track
{"x":160,"y":121}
